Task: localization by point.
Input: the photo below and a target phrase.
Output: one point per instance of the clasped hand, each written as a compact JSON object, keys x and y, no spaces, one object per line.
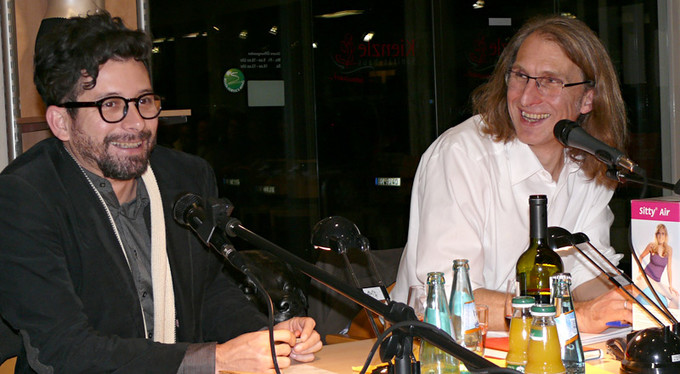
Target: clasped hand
{"x":294,"y":339}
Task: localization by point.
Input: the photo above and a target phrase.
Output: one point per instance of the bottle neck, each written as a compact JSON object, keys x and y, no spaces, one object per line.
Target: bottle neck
{"x":544,"y":320}
{"x":538,"y":222}
{"x":562,"y":296}
{"x":435,"y":290}
{"x":461,"y":279}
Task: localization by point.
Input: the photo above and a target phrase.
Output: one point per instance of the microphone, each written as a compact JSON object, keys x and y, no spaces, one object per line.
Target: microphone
{"x":570,"y":134}
{"x":189,"y":210}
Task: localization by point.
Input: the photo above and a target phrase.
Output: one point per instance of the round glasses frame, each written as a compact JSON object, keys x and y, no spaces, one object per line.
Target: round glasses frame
{"x":155,"y":103}
{"x":547,"y":86}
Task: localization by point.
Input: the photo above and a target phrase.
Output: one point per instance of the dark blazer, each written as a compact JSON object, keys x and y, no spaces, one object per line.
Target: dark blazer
{"x":65,"y":284}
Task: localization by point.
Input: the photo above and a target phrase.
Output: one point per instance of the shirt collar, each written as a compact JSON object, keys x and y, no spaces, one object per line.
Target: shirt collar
{"x":131,"y":208}
{"x":523,"y":163}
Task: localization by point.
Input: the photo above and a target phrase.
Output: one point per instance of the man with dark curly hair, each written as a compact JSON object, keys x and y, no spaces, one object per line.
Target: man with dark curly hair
{"x":94,"y":272}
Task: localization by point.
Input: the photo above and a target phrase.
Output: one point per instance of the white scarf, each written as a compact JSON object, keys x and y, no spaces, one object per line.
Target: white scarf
{"x":161,"y":276}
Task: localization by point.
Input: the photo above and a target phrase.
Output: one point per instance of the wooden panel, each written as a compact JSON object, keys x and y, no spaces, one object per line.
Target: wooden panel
{"x":29,"y":139}
{"x":29,"y":14}
{"x":125,"y":9}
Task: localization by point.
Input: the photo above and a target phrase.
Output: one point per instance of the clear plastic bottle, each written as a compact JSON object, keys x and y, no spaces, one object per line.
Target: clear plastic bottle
{"x":432,"y":359}
{"x":520,"y":328}
{"x":538,"y":262}
{"x":567,"y":327}
{"x":466,"y":329}
{"x":543,"y":352}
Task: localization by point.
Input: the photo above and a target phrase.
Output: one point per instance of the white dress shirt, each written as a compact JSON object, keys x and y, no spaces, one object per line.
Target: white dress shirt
{"x":470,"y":200}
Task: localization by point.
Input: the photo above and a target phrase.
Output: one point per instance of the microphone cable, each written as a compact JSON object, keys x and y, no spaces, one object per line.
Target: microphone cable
{"x":241,"y":265}
{"x":270,"y":315}
{"x":267,"y":299}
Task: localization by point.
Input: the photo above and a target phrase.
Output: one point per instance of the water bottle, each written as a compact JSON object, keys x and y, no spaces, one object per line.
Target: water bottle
{"x":466,"y":329}
{"x":567,"y":328}
{"x":432,"y":359}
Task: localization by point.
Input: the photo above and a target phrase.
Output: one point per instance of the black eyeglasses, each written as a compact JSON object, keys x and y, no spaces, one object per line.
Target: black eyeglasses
{"x":547,"y":86}
{"x":113,"y":109}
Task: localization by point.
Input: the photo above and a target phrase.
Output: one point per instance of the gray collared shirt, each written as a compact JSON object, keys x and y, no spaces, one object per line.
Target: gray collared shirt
{"x":132,"y":221}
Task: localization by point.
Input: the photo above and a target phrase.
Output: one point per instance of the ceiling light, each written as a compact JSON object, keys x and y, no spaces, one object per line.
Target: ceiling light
{"x":479,"y":4}
{"x":369,"y":35}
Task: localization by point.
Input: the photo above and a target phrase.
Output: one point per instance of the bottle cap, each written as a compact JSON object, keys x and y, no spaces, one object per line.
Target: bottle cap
{"x":542,"y":310}
{"x":460,"y":262}
{"x":540,"y":199}
{"x":523,"y":301}
{"x":562,"y":277}
{"x":433,"y":277}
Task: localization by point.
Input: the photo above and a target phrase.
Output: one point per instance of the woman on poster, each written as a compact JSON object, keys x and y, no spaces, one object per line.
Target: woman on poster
{"x":660,"y":259}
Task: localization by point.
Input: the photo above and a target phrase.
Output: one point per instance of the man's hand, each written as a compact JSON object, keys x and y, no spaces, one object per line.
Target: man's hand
{"x":593,"y":315}
{"x":308,"y":340}
{"x":294,"y":338}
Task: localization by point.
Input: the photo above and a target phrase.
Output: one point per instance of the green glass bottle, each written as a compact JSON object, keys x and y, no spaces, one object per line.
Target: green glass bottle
{"x":432,"y":359}
{"x":538,"y":262}
{"x":466,"y":329}
{"x":567,"y":327}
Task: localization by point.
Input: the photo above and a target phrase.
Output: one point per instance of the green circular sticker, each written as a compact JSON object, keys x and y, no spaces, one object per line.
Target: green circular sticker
{"x":234,"y":80}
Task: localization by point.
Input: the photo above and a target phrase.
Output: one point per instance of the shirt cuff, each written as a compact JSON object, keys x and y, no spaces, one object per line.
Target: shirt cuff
{"x":199,"y":359}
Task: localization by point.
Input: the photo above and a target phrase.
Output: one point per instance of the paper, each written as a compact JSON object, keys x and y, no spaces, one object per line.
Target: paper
{"x":610,"y":333}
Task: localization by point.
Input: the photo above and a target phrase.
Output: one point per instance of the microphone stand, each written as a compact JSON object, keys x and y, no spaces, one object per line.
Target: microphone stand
{"x":652,"y":350}
{"x":563,"y":238}
{"x":208,"y":216}
{"x":622,"y":177}
{"x":400,"y":344}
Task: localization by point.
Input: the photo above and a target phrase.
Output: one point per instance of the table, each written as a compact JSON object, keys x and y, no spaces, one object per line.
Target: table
{"x":340,"y":358}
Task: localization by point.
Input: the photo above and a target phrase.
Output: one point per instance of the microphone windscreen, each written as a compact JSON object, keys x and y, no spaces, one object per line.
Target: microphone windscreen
{"x":562,"y":130}
{"x":182,"y":206}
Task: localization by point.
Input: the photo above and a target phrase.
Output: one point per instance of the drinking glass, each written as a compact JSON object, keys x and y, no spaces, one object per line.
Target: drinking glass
{"x":511,"y":290}
{"x":483,"y":318}
{"x":417,"y":297}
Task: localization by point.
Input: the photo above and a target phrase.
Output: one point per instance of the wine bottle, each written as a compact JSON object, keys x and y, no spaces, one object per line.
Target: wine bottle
{"x":538,"y":262}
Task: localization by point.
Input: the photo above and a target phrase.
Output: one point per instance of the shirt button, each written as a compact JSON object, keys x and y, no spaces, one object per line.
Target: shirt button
{"x":144,"y":294}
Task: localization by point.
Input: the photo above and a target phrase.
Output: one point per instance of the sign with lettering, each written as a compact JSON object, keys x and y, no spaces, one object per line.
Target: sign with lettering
{"x":655,"y":237}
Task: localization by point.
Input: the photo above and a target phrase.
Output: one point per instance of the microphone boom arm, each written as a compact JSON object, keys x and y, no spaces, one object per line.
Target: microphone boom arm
{"x":577,"y":239}
{"x":392,"y":312}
